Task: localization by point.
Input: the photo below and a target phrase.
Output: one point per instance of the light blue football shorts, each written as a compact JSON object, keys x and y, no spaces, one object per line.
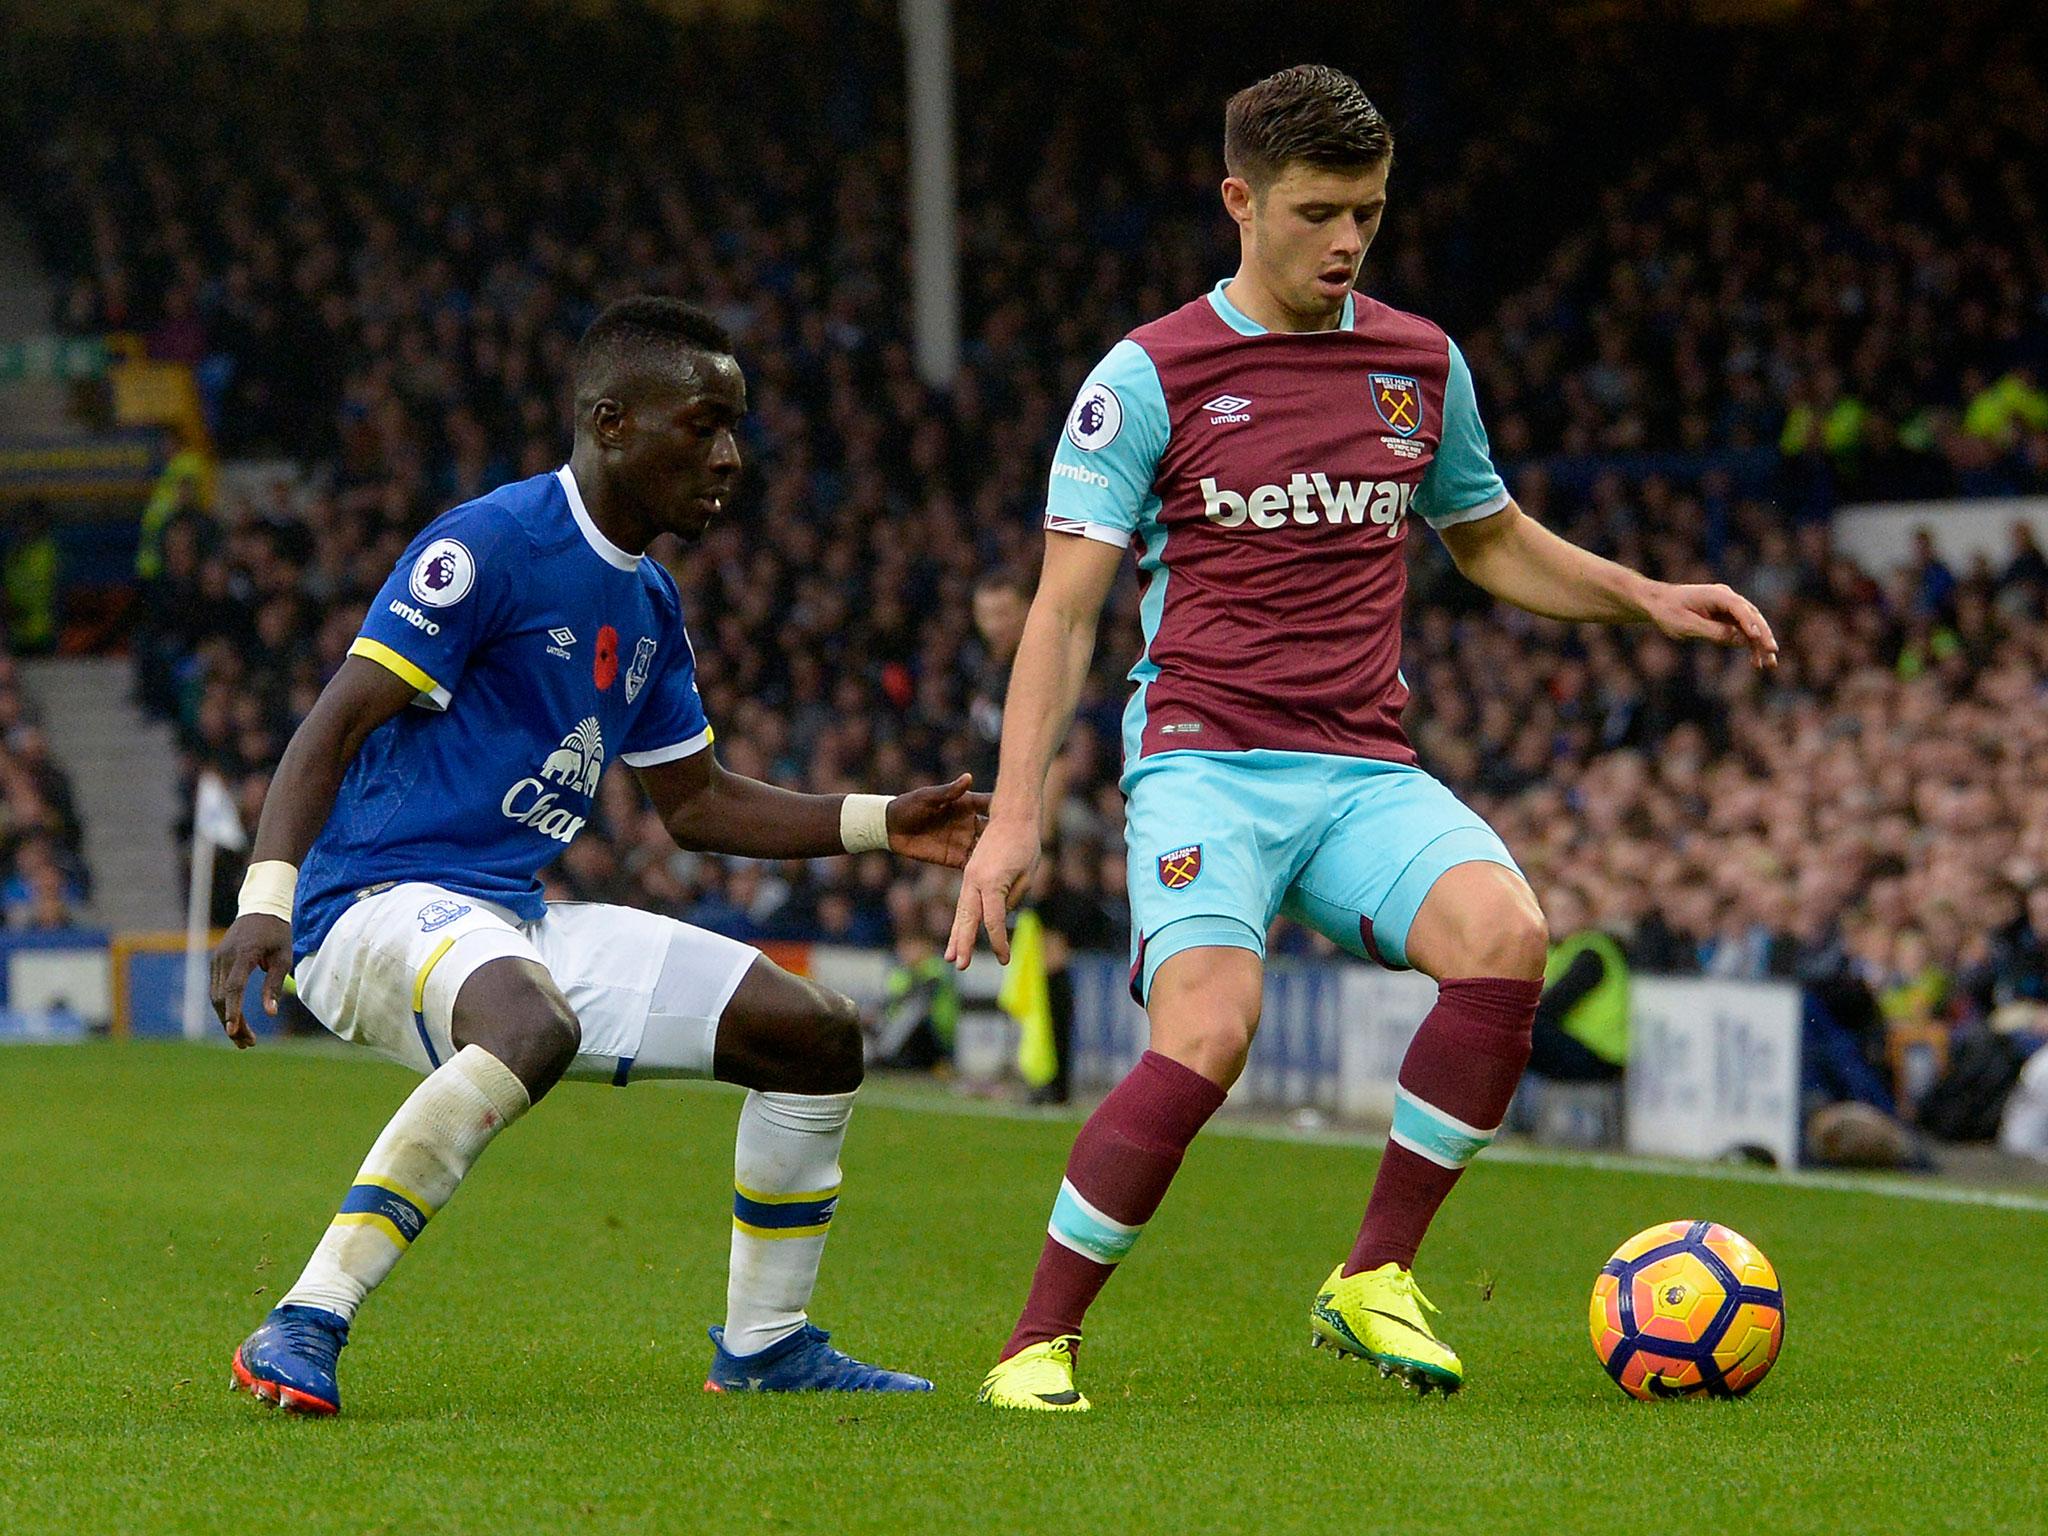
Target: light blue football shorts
{"x":1220,"y":843}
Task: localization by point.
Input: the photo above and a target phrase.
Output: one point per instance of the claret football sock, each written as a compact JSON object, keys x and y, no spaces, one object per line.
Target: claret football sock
{"x":411,"y":1172}
{"x":785,"y":1175}
{"x":1118,"y":1172}
{"x":1452,"y":1094}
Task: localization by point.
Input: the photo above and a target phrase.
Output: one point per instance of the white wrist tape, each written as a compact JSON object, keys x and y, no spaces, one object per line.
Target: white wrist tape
{"x":864,"y":823}
{"x":268,"y":887}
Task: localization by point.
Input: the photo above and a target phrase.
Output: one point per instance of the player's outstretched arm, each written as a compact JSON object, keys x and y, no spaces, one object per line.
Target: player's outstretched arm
{"x":1045,"y":683}
{"x":709,"y":810}
{"x":1520,"y":561}
{"x":359,"y":698}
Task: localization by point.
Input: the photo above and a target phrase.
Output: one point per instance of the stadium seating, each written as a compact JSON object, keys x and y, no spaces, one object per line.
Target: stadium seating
{"x":42,"y":866}
{"x":1747,"y":323}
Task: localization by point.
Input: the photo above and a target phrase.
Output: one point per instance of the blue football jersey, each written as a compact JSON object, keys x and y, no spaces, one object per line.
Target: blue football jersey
{"x":541,"y":652}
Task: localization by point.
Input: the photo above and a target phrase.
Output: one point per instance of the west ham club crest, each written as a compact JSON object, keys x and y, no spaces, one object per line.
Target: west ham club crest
{"x":1398,"y":399}
{"x":1177,"y":870}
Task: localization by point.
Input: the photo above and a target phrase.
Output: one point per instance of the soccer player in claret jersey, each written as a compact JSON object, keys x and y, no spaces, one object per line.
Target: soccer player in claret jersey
{"x":524,"y":640}
{"x":1263,"y":449}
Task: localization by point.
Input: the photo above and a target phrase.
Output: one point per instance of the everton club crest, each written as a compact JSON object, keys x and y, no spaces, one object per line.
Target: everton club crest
{"x":1177,"y":870}
{"x":1398,"y":399}
{"x":636,"y":674}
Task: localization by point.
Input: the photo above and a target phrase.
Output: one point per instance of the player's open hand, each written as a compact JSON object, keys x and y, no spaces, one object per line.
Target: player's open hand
{"x":939,"y":823}
{"x":257,"y":942}
{"x":995,"y":881}
{"x":1713,"y":612}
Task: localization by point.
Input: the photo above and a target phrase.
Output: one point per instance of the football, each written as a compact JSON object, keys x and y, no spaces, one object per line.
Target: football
{"x":1687,"y":1309}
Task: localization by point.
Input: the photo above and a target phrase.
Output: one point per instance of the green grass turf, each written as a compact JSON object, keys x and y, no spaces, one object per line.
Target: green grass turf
{"x":535,"y":1364}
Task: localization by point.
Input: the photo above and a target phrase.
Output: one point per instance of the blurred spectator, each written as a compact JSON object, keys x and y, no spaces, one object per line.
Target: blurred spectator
{"x":42,"y":841}
{"x":1001,"y":601}
{"x":920,"y":1012}
{"x":1581,"y":1032}
{"x":28,"y":581}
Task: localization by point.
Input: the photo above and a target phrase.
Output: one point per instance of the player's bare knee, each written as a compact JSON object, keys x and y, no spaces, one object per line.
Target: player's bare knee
{"x":538,"y":1040}
{"x":514,"y":1010}
{"x":840,"y":1060}
{"x":808,"y":1042}
{"x":1211,"y":1034}
{"x":559,"y":1032}
{"x":1506,"y":938}
{"x":1221,"y":1046}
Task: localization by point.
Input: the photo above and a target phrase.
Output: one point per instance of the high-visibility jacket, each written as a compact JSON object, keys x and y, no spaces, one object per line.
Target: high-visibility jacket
{"x":1599,"y":1020}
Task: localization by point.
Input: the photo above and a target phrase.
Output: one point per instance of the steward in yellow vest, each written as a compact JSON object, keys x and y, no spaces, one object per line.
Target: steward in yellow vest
{"x":1581,"y":1030}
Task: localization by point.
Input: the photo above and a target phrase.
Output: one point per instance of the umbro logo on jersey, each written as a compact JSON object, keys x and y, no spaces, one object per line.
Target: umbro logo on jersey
{"x":1076,"y":472}
{"x":562,"y":639}
{"x":1309,"y":499}
{"x":576,"y":766}
{"x":1226,"y":408}
{"x":414,"y":617}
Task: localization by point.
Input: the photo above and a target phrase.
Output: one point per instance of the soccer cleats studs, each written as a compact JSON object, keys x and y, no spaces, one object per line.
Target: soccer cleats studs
{"x":1380,"y":1315}
{"x":1038,"y":1379}
{"x":290,"y":1361}
{"x":803,"y":1362}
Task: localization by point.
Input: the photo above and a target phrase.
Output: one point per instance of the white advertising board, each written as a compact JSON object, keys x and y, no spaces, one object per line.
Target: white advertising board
{"x":1879,"y":535}
{"x":1713,"y":1065}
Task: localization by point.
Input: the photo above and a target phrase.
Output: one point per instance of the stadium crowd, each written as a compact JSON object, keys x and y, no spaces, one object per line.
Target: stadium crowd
{"x":385,"y":288}
{"x":42,"y":863}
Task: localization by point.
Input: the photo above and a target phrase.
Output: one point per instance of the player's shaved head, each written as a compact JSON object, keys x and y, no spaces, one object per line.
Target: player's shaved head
{"x":1311,"y":115}
{"x":659,"y":400}
{"x":644,"y":346}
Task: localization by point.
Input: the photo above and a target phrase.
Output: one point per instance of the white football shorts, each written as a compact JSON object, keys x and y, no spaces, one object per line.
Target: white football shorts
{"x":647,"y":990}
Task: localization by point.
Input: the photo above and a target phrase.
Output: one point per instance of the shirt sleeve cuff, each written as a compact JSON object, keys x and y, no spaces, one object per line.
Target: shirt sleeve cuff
{"x":1494,"y":503}
{"x":430,"y":692}
{"x":674,"y":754}
{"x":1101,"y":533}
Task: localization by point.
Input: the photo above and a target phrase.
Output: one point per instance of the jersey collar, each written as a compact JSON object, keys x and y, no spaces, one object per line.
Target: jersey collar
{"x":607,"y":551}
{"x":1245,"y":325}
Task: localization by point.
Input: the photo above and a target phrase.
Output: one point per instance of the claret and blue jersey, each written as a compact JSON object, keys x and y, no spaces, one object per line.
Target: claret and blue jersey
{"x":1266,"y":480}
{"x":540,"y":652}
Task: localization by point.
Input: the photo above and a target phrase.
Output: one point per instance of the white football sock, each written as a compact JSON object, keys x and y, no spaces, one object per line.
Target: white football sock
{"x":785,"y":1186}
{"x":410,"y":1173}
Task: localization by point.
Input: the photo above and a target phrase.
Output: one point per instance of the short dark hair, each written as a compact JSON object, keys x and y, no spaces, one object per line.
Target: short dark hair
{"x":628,"y":331}
{"x":1008,"y":578}
{"x":1310,"y":113}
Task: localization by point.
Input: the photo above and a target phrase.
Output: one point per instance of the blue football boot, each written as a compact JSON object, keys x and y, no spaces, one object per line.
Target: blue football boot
{"x":803,"y":1362}
{"x":290,"y":1360}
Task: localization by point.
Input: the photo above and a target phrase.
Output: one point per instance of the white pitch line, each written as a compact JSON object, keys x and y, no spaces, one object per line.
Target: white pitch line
{"x":1881,"y":1186}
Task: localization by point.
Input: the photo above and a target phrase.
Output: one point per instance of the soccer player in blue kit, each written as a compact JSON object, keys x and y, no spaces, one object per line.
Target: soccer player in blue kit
{"x":523,"y":641}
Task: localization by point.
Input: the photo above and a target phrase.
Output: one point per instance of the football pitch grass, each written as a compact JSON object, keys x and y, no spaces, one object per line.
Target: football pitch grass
{"x":535,"y":1364}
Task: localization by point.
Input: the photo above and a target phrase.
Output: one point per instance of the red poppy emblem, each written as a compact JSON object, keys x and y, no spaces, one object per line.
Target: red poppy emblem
{"x":606,"y":666}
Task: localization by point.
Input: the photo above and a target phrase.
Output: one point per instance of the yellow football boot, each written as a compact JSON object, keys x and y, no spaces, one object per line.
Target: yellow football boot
{"x":1377,"y":1315}
{"x":1039,"y":1379}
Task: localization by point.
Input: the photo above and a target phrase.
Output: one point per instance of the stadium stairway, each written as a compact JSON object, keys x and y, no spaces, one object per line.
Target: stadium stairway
{"x":28,"y":407}
{"x":124,"y":771}
{"x":26,"y":300}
